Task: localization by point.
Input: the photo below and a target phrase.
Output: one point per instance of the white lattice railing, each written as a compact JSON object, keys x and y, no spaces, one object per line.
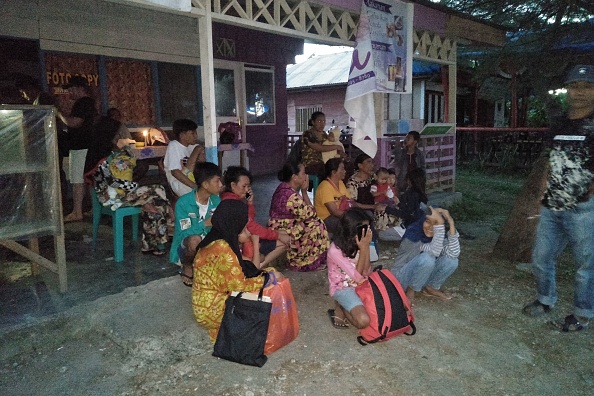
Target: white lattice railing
{"x":312,"y":20}
{"x":292,"y":16}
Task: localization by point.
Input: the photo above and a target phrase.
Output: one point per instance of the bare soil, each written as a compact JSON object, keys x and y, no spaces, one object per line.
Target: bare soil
{"x":145,"y":341}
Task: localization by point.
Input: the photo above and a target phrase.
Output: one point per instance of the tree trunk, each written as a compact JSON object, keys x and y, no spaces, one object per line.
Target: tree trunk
{"x":517,"y":235}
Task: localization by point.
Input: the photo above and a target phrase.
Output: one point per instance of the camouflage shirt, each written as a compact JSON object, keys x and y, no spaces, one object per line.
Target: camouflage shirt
{"x":571,"y":160}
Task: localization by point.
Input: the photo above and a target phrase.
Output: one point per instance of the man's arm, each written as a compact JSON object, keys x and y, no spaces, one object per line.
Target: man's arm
{"x":179,"y":175}
{"x":72,"y":122}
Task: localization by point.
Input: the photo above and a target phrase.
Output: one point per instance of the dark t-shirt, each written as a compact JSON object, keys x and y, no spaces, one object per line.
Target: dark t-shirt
{"x":571,"y":159}
{"x":80,"y":138}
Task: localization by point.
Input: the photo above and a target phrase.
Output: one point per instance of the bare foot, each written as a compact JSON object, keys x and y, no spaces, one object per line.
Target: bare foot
{"x":432,"y":292}
{"x":410,"y":294}
{"x":73,"y":217}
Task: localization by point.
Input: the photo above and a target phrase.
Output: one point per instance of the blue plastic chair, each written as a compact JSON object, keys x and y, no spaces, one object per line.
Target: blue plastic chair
{"x":117,"y":218}
{"x":315,"y":181}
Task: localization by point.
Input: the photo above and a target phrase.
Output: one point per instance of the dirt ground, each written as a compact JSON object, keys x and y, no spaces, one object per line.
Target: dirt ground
{"x":144,"y":341}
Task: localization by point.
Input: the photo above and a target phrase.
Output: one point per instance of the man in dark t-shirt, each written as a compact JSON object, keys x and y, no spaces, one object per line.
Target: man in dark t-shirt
{"x":80,"y":128}
{"x":567,"y":214}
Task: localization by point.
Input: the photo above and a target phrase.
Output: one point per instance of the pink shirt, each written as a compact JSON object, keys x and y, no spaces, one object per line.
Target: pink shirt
{"x":342,"y":271}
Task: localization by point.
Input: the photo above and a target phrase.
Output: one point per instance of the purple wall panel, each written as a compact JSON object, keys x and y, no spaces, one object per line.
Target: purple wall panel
{"x":429,"y":19}
{"x":261,"y":48}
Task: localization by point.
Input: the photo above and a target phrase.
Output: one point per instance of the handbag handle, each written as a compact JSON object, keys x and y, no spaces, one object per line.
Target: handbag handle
{"x":266,"y":279}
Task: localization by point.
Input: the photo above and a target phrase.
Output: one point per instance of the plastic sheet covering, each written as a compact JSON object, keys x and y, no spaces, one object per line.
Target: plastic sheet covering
{"x":29,"y":179}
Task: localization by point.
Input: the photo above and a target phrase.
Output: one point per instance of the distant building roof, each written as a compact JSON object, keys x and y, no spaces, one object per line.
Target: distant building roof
{"x":333,"y":69}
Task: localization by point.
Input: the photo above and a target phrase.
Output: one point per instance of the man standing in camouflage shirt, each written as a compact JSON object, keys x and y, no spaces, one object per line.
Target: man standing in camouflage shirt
{"x":567,"y":215}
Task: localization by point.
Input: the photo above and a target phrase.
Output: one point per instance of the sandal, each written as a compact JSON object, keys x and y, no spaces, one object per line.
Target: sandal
{"x":536,"y":308}
{"x":570,"y":323}
{"x":342,"y":324}
{"x":187,"y":280}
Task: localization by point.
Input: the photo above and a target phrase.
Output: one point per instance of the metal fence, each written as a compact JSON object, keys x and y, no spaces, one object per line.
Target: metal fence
{"x":500,"y":147}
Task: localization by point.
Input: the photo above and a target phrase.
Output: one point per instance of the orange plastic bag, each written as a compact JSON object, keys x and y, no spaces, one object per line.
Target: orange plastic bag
{"x":284,"y":321}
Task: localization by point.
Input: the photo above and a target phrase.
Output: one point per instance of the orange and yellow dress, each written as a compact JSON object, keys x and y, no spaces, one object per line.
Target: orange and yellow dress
{"x":217,"y":273}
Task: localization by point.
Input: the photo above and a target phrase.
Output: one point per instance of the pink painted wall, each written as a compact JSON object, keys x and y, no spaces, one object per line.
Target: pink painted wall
{"x":429,"y":19}
{"x":331,"y":100}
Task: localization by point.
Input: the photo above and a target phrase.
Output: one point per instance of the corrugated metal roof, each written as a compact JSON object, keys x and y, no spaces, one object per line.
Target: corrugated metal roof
{"x":333,"y":69}
{"x":320,"y":70}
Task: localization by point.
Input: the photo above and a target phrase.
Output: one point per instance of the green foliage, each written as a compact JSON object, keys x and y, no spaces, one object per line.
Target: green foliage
{"x":539,"y":110}
{"x":487,"y":196}
{"x":519,"y":15}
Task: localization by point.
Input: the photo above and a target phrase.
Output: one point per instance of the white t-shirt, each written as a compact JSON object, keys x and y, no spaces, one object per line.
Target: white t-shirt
{"x":176,"y":157}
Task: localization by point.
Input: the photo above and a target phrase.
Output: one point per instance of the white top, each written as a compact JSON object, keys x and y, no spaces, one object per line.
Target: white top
{"x":175,"y":158}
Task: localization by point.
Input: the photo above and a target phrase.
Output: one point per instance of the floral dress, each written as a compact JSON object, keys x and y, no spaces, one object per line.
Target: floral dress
{"x":309,"y":238}
{"x":217,"y":273}
{"x":361,"y":192}
{"x":157,"y":216}
{"x":312,"y":159}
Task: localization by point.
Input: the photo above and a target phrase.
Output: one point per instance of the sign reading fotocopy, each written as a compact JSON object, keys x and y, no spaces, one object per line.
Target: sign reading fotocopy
{"x":382,"y":62}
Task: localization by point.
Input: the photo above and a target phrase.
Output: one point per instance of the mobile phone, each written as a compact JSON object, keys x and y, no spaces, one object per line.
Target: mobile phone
{"x":361,"y":229}
{"x":247,"y":195}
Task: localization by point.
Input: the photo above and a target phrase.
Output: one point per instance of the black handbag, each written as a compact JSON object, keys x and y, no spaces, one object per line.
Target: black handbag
{"x":243,"y":330}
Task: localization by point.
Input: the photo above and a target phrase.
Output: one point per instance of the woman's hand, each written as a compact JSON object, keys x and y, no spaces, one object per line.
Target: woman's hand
{"x":435,"y":216}
{"x":448,"y":217}
{"x":279,"y":276}
{"x":250,"y":196}
{"x":365,"y":240}
{"x":305,"y":184}
{"x":284,"y":237}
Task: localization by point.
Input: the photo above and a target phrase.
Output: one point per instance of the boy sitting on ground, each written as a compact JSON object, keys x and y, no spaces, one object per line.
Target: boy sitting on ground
{"x":192,"y":217}
{"x":178,"y":152}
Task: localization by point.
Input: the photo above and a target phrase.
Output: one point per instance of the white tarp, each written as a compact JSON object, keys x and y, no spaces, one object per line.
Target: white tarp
{"x":382,"y":62}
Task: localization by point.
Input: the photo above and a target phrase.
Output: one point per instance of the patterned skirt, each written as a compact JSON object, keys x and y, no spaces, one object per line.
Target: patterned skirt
{"x":309,"y":243}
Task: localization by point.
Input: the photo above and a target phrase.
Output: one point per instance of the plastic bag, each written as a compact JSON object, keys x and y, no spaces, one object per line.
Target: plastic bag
{"x":284,"y":321}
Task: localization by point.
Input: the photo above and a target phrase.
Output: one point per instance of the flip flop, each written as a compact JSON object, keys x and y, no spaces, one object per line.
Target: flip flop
{"x":186,"y":278}
{"x":333,"y":318}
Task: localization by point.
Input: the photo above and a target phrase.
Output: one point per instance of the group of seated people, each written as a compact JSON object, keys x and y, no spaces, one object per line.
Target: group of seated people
{"x":221,"y":248}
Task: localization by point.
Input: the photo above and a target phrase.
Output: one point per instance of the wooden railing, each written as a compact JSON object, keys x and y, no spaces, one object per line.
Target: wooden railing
{"x":501,"y":147}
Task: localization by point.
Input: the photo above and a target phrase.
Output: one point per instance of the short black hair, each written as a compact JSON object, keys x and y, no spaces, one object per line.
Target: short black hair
{"x":232,"y":175}
{"x":204,"y":171}
{"x":314,"y":116}
{"x":332,"y":165}
{"x":344,"y":239}
{"x":381,"y":169}
{"x":183,"y":125}
{"x":360,"y":159}
{"x":289,"y":169}
{"x":416,"y":135}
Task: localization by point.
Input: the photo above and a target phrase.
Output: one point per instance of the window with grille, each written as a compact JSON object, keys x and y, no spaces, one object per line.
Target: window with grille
{"x":302,"y":116}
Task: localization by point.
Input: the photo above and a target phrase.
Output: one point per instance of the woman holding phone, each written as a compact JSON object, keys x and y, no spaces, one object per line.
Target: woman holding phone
{"x":349,"y":266}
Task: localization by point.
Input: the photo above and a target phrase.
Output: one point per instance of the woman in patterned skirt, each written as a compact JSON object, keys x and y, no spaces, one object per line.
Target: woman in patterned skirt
{"x":292,"y":211}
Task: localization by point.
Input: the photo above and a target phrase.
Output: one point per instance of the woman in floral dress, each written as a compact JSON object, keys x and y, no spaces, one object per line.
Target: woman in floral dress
{"x":219,"y":268}
{"x":112,"y":180}
{"x":294,"y":213}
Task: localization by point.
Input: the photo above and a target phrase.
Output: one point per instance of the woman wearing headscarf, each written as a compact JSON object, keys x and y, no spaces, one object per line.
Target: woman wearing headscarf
{"x":219,"y":268}
{"x":428,"y":255}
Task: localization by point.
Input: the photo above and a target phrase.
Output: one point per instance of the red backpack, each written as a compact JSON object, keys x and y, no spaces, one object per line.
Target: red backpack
{"x":387,"y":306}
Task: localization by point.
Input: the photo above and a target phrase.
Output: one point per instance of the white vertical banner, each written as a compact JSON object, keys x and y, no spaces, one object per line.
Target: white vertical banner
{"x":382,"y":62}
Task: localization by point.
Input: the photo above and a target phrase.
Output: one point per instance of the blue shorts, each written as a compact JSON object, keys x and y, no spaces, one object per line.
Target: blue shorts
{"x":347,"y":298}
{"x":267,"y":246}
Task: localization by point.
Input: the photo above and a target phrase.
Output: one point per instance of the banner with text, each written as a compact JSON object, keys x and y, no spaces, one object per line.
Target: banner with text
{"x":382,"y":62}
